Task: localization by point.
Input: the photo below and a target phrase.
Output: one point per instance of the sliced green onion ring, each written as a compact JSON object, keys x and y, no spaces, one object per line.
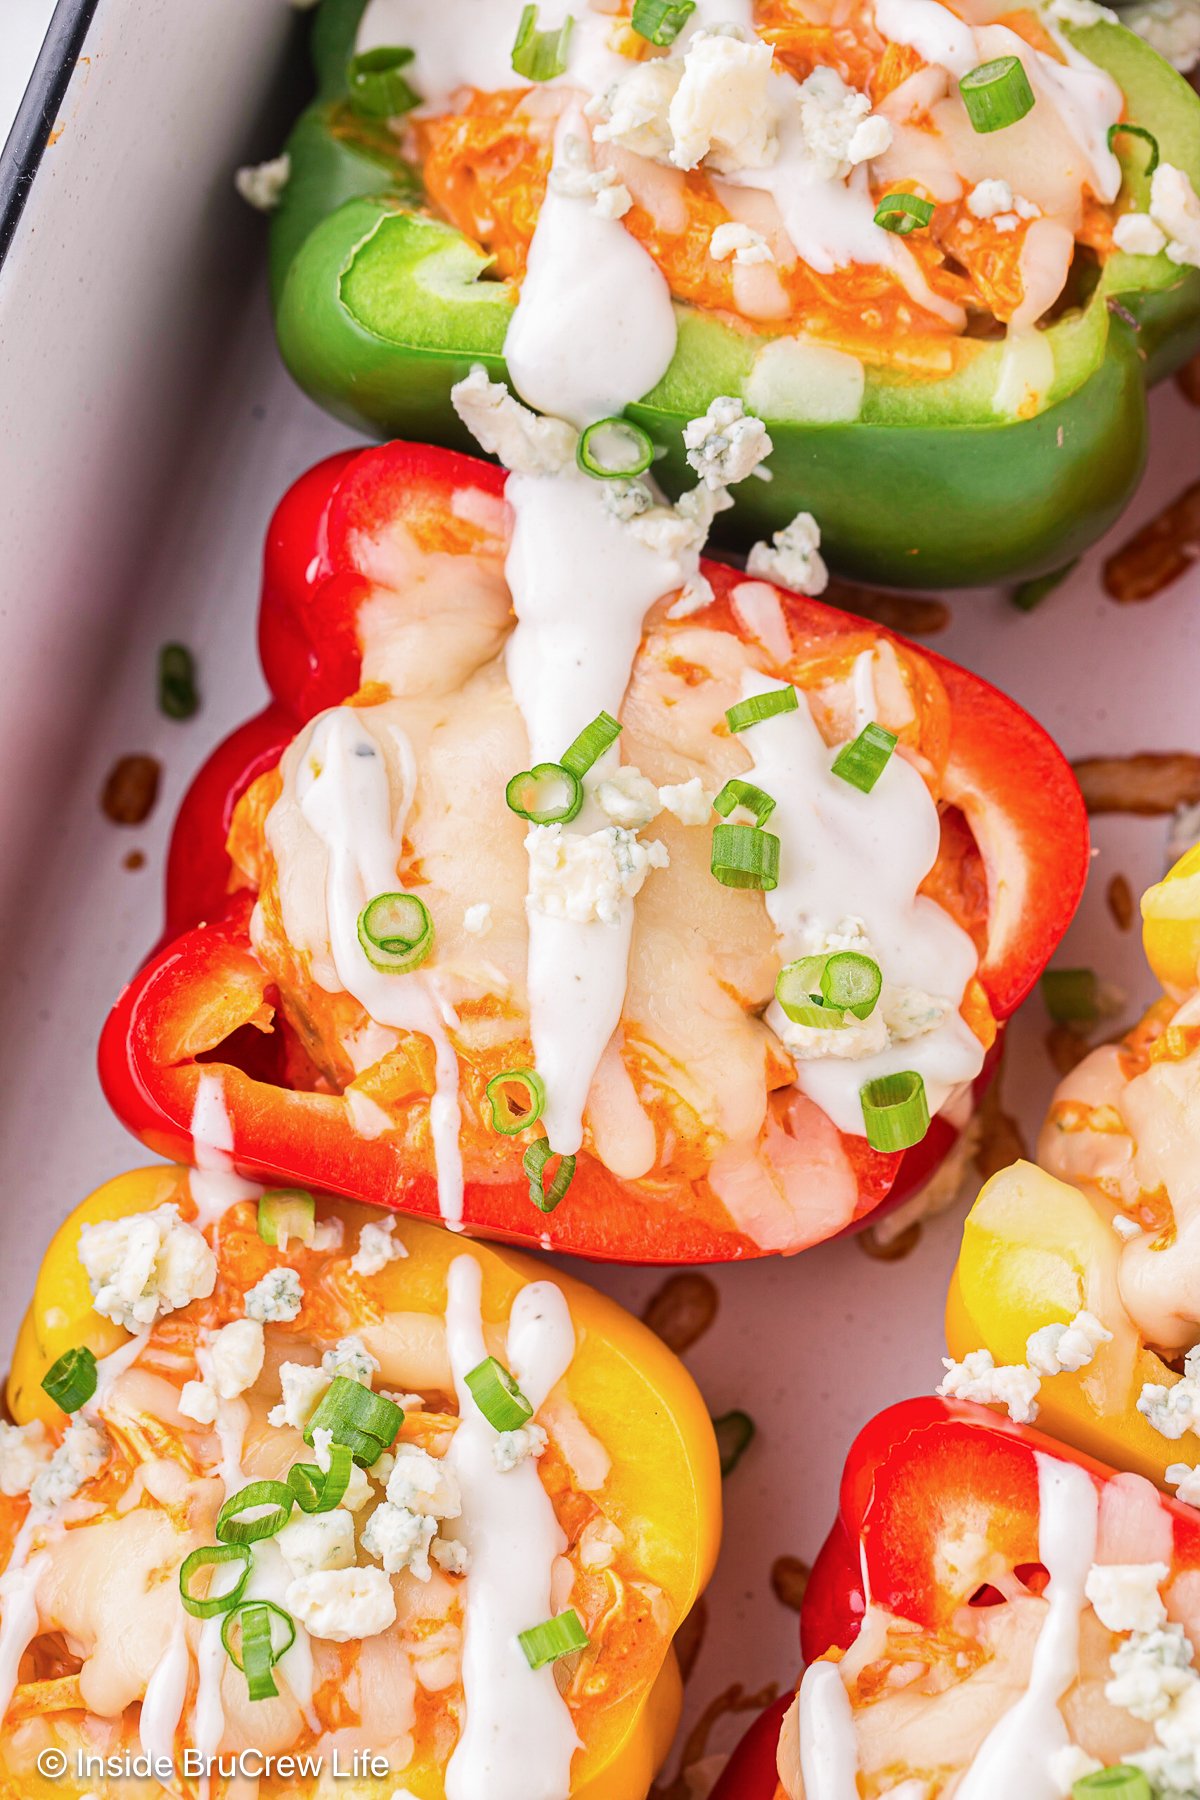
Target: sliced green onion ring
{"x":396,"y":932}
{"x":377,"y":87}
{"x":996,"y":94}
{"x":745,"y":856}
{"x":862,"y":761}
{"x":505,"y":1118}
{"x":1137,"y":131}
{"x":534,"y":1161}
{"x":1118,"y":1782}
{"x":744,"y":793}
{"x":210,"y":1605}
{"x":661,"y":21}
{"x":547,"y":794}
{"x":852,"y":981}
{"x":903,"y":213}
{"x":71,"y":1381}
{"x":275,"y":1496}
{"x":761,"y":706}
{"x":497,"y":1395}
{"x":734,"y":1432}
{"x":614,"y":450}
{"x":798,"y":991}
{"x":556,"y":1637}
{"x":540,"y":55}
{"x":177,"y":696}
{"x":319,"y":1490}
{"x":256,"y":1652}
{"x":895,"y":1110}
{"x":590,"y":745}
{"x":1072,"y":996}
{"x":364,"y":1421}
{"x":285,"y":1214}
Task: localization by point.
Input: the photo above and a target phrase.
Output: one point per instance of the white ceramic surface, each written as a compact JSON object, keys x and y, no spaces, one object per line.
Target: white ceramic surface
{"x":146,"y":431}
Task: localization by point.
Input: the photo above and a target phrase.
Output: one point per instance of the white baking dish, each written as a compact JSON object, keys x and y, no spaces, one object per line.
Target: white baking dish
{"x":146,"y":431}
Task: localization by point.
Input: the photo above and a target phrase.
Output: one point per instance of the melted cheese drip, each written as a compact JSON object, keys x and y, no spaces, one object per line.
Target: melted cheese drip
{"x":213,"y":1184}
{"x":19,"y":1606}
{"x":166,"y":1694}
{"x":518,"y":1737}
{"x":844,"y":852}
{"x":344,"y":793}
{"x":828,"y":1756}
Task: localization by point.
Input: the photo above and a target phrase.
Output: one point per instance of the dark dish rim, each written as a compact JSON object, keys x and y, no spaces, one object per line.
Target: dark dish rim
{"x":39,"y":108}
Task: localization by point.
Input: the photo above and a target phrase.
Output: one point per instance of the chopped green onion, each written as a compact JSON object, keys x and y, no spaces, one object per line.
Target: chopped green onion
{"x":396,"y":932}
{"x":556,"y":1637}
{"x":319,"y":1490}
{"x":177,"y":696}
{"x":1029,"y":594}
{"x":661,"y":21}
{"x":534,"y":1164}
{"x":734,"y":1431}
{"x":744,"y":793}
{"x":1120,"y":1782}
{"x":540,"y":55}
{"x":996,"y":94}
{"x":1072,"y":996}
{"x":209,"y":1605}
{"x":744,"y":856}
{"x":862,"y":761}
{"x":284,"y":1214}
{"x":614,"y":450}
{"x":903,"y":213}
{"x":852,"y":981}
{"x":896,"y":1110}
{"x":256,"y":1652}
{"x":761,"y":706}
{"x":547,"y":794}
{"x":232,"y":1528}
{"x":1137,"y":131}
{"x":591,"y":744}
{"x":497,"y":1395}
{"x":71,"y":1381}
{"x":505,"y":1118}
{"x":377,"y":87}
{"x":364,"y":1421}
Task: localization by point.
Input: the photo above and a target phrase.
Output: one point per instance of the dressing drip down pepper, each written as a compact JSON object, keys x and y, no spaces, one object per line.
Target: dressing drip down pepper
{"x":288,"y":1518}
{"x":574,"y":1038}
{"x":947,"y":317}
{"x":993,"y":1616}
{"x":1105,"y":1230}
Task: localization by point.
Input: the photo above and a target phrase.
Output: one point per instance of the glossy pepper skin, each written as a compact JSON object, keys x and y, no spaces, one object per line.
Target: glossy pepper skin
{"x":380,"y":308}
{"x":629,"y":1389}
{"x":1035,"y":1250}
{"x":919,"y":1478}
{"x":205,"y":989}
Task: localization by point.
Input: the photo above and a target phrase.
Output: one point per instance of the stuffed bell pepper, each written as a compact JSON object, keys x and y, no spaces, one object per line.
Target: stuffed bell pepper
{"x":939,"y":250}
{"x":578,"y":891}
{"x":295,"y":1496}
{"x":1078,"y":1286}
{"x":993,"y":1617}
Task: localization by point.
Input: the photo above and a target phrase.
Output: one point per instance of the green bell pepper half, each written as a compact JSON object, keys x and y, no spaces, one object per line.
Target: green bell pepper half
{"x":381,"y":307}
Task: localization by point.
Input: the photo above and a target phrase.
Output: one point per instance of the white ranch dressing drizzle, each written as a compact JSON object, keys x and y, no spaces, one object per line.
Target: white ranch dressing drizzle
{"x":930,"y":29}
{"x":593,"y":330}
{"x":828,"y":1751}
{"x":165,"y":1696}
{"x":1015,"y":1756}
{"x":345,"y":796}
{"x":213,"y":1184}
{"x":845,"y":852}
{"x":208,"y":1716}
{"x":109,"y":1370}
{"x":18,"y":1597}
{"x":518,"y":1737}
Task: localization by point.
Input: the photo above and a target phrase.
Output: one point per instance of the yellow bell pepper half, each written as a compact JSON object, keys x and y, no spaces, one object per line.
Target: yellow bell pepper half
{"x":1037,"y":1250}
{"x":631,"y":1393}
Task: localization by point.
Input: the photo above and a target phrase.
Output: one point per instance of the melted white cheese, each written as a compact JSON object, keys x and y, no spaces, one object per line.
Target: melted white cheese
{"x":165,"y":1696}
{"x":517,"y":1738}
{"x":344,"y":793}
{"x":828,"y":1754}
{"x":19,"y":1606}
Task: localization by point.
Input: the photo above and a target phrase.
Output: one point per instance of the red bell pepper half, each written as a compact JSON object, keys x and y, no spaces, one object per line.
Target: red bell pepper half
{"x":1014,"y":840}
{"x":942,"y":1516}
